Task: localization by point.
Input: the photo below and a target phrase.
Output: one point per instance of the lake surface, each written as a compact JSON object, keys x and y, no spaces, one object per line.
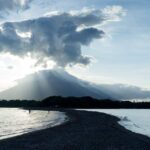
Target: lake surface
{"x":136,"y":120}
{"x":14,"y":121}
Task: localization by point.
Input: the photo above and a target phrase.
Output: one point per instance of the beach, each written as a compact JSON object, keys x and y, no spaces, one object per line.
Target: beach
{"x":83,"y":131}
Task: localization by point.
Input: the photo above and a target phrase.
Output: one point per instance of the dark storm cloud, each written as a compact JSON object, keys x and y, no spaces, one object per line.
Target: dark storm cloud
{"x":58,"y":37}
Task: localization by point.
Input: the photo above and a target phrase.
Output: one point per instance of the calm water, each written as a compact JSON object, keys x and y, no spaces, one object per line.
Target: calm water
{"x":15,"y":121}
{"x":136,"y":120}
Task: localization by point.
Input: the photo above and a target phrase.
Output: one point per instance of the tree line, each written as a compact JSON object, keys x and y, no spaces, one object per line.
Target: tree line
{"x":74,"y":102}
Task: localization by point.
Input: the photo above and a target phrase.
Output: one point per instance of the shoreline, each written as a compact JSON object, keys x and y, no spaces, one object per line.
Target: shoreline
{"x":83,"y":131}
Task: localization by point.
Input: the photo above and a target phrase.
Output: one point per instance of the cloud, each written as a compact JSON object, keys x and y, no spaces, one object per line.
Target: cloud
{"x":123,"y":91}
{"x":10,"y":5}
{"x":114,"y":13}
{"x":55,"y":37}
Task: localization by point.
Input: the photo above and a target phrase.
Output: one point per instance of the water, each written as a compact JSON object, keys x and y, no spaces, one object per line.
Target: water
{"x":138,"y":100}
{"x":136,"y":120}
{"x":14,"y":121}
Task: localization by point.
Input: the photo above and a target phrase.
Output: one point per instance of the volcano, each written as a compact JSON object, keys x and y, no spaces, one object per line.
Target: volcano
{"x":47,"y":83}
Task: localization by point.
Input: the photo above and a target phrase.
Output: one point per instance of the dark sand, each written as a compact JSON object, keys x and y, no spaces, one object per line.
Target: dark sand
{"x":84,"y":131}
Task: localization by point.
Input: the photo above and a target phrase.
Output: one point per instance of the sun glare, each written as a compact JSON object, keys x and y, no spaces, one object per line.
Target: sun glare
{"x":13,"y":68}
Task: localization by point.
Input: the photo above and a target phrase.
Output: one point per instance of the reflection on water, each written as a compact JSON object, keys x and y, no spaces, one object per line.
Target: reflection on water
{"x":14,"y":121}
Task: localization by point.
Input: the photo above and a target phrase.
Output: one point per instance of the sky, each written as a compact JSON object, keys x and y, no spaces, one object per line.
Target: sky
{"x":102,"y":41}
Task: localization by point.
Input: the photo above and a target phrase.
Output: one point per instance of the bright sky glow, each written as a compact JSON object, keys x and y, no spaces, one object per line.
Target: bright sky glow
{"x":122,"y":56}
{"x":14,"y":68}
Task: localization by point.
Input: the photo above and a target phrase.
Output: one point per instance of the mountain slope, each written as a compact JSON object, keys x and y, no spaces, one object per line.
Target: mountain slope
{"x":124,"y":92}
{"x":47,"y":83}
{"x":51,"y":83}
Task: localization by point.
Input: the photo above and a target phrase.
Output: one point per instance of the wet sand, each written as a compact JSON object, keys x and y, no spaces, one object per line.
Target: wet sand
{"x":83,"y":131}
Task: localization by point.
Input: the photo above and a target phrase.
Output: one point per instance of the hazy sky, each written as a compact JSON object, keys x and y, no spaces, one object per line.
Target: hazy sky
{"x":119,"y":45}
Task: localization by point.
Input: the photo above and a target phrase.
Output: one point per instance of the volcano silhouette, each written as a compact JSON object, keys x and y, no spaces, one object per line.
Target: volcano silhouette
{"x":47,"y":83}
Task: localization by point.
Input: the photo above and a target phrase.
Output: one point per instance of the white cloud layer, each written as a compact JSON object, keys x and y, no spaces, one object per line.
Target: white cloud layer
{"x":114,"y":13}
